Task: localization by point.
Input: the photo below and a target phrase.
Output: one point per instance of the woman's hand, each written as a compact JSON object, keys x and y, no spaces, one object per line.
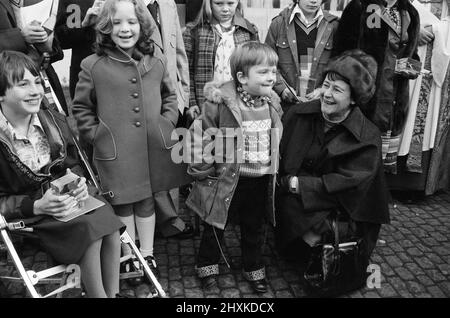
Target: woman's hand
{"x":54,"y":205}
{"x":426,"y":35}
{"x":314,"y":94}
{"x":34,"y":33}
{"x":289,"y":183}
{"x":92,"y":14}
{"x":288,"y":96}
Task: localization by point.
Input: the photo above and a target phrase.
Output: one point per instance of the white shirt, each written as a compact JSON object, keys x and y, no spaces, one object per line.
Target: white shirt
{"x":297,"y":10}
{"x":147,"y":2}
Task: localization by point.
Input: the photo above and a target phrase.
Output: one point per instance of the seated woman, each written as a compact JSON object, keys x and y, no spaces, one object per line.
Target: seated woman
{"x":331,"y":160}
{"x":36,"y":147}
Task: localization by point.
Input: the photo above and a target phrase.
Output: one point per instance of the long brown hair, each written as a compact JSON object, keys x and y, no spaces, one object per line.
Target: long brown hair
{"x":104,"y":27}
{"x":205,"y":13}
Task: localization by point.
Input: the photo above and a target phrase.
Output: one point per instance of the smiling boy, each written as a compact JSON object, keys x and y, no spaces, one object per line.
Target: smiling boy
{"x":226,"y":188}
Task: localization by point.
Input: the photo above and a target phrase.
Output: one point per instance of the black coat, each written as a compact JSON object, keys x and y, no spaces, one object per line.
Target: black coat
{"x":12,"y":39}
{"x":71,"y":35}
{"x":344,"y":174}
{"x":388,"y":108}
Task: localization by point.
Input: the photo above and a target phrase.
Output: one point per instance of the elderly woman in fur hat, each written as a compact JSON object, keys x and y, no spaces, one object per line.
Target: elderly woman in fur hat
{"x":331,"y":160}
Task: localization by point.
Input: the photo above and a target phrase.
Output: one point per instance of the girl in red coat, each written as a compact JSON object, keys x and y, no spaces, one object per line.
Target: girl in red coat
{"x":126,"y":107}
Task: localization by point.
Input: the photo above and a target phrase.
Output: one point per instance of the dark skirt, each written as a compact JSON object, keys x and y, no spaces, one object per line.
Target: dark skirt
{"x":293,"y":222}
{"x":67,"y":242}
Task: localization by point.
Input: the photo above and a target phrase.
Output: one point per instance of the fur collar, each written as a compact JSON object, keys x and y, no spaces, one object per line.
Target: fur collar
{"x":225,"y":93}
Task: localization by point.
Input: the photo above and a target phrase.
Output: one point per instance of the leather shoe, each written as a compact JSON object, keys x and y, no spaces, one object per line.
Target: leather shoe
{"x":209,"y":282}
{"x":259,"y":286}
{"x":188,"y":232}
{"x":153,"y":267}
{"x":131,"y":266}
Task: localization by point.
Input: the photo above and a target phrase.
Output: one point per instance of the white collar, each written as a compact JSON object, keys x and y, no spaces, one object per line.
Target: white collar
{"x":6,"y":126}
{"x":147,"y":2}
{"x":318,"y":17}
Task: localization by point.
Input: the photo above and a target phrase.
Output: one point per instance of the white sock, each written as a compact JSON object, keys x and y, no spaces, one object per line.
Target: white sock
{"x":146,"y":229}
{"x":129,"y":223}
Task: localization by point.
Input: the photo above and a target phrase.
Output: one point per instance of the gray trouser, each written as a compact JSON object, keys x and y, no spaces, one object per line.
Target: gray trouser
{"x":166,"y":205}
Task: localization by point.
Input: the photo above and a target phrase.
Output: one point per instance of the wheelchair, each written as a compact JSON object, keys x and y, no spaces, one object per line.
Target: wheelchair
{"x":67,"y":276}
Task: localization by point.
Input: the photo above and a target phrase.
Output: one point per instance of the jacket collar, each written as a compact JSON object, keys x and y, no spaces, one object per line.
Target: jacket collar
{"x":296,"y":10}
{"x":225,"y":92}
{"x":8,"y":131}
{"x":287,"y":12}
{"x":121,"y":56}
{"x":9,"y":9}
{"x":144,"y":62}
{"x":47,"y":118}
{"x":353,"y":123}
{"x":239,"y":21}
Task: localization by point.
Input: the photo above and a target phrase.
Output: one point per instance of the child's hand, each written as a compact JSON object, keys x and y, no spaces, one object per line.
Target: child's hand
{"x":81,"y":192}
{"x":54,"y":205}
{"x":192,"y":113}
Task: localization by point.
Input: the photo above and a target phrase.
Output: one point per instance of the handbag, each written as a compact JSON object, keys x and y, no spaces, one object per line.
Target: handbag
{"x":336,"y":267}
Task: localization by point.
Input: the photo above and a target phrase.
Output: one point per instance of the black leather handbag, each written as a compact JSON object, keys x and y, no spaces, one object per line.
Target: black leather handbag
{"x":336,"y":267}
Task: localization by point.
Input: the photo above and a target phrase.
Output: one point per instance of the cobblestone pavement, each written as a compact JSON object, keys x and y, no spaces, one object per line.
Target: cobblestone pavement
{"x":413,"y":253}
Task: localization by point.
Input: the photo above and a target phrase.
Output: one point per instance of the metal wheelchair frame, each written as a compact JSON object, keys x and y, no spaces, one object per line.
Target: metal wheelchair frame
{"x":71,"y":275}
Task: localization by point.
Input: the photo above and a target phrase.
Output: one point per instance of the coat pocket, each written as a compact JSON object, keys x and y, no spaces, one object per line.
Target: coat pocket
{"x":104,"y":144}
{"x":165,"y":129}
{"x":283,"y":51}
{"x":206,"y":191}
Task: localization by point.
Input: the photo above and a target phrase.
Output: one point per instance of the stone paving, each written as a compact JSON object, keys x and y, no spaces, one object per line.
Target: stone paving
{"x":413,"y":253}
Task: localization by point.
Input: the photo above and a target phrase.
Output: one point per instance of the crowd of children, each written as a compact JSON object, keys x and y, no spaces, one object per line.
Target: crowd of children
{"x":140,"y":80}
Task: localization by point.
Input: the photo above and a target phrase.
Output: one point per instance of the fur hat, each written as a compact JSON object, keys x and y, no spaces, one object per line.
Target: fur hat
{"x":360,"y":71}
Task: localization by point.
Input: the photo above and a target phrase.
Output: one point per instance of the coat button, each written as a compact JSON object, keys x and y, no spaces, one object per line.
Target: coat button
{"x":135,"y":95}
{"x":136,"y":109}
{"x":133,"y":80}
{"x":137,"y":124}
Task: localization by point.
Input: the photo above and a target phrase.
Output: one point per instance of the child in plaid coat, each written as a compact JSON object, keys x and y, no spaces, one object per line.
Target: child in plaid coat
{"x":209,"y":42}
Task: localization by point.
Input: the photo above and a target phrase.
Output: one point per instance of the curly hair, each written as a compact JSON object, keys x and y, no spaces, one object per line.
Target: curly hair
{"x":104,"y":27}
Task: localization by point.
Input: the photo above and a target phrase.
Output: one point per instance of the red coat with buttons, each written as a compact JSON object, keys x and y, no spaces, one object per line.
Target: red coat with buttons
{"x":127,"y":109}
